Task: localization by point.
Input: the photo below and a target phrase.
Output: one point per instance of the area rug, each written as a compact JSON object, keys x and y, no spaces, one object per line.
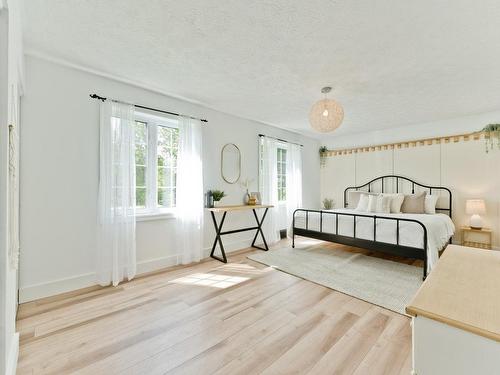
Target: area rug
{"x":382,"y":282}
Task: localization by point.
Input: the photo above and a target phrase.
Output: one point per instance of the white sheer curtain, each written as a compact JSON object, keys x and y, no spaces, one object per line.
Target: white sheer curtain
{"x":116,"y":253}
{"x":190,"y":190}
{"x":268,"y":181}
{"x":294,"y":182}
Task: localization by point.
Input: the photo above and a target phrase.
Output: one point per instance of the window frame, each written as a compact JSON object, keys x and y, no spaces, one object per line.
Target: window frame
{"x":151,"y":211}
{"x":283,"y":163}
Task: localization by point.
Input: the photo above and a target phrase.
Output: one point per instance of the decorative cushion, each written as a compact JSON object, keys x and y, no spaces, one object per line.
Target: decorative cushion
{"x":384,"y":204}
{"x":430,"y":203}
{"x":414,"y":203}
{"x":372,"y":203}
{"x":363,"y":203}
{"x":396,"y":202}
{"x":379,"y":204}
{"x":353,"y":197}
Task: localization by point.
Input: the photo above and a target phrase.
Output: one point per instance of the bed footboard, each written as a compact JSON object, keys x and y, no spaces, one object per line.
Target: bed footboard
{"x":385,"y":247}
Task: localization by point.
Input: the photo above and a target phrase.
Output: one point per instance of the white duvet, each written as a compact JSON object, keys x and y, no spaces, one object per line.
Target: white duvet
{"x":439,"y":229}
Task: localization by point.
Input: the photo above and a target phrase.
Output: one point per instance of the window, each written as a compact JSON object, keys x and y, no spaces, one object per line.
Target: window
{"x":156,"y":147}
{"x":141,"y":157}
{"x":281,"y":165}
{"x":167,"y":146}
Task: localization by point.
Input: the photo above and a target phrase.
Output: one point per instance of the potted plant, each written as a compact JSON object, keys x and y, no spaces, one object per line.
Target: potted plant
{"x":327,"y":204}
{"x":217,"y":195}
{"x":492,"y":132}
{"x":323,"y":150}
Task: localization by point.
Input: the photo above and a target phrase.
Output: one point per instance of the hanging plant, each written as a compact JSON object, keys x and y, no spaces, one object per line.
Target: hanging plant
{"x":492,"y":133}
{"x":322,"y":155}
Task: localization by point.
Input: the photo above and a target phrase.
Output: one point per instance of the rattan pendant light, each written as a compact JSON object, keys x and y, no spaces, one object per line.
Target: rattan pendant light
{"x":326,"y":115}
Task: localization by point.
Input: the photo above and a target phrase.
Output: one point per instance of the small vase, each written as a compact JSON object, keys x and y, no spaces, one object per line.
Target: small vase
{"x":217,"y":204}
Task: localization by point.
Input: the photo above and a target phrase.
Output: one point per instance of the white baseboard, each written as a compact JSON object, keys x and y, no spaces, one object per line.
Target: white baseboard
{"x":13,"y":353}
{"x":52,"y":288}
{"x":156,"y":264}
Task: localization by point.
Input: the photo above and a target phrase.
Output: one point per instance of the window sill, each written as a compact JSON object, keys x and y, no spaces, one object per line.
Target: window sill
{"x":156,"y":215}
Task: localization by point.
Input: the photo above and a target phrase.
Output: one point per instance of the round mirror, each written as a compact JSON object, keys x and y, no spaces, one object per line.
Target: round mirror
{"x":230,"y":163}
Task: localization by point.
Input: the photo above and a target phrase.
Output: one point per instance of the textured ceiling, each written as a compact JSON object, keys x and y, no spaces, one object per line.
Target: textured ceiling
{"x":391,"y":62}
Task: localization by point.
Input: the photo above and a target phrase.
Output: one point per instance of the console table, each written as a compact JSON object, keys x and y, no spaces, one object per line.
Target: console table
{"x":218,"y":227}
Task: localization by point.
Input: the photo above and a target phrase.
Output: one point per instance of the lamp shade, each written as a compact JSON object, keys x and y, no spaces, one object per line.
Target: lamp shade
{"x":326,"y":115}
{"x":475,"y":206}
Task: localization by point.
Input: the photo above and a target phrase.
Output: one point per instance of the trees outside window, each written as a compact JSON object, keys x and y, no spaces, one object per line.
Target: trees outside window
{"x":156,"y":148}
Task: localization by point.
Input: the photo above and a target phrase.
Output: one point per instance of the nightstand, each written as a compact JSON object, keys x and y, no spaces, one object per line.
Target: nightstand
{"x":480,"y":238}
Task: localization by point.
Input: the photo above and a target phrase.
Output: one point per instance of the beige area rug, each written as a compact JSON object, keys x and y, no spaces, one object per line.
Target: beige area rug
{"x":382,"y":282}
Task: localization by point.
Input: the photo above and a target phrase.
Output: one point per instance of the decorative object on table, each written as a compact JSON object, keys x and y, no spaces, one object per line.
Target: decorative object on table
{"x":252,"y":200}
{"x":328,"y":204}
{"x":246,"y":184}
{"x":475,"y":207}
{"x":217,"y":196}
{"x":322,"y":155}
{"x":470,"y":237}
{"x":256,"y":194}
{"x":492,"y":132}
{"x":326,"y":115}
{"x":230,"y":163}
{"x":210,"y":199}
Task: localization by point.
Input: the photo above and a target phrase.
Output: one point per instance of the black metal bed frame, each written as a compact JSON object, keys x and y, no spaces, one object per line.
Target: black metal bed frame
{"x":390,"y":248}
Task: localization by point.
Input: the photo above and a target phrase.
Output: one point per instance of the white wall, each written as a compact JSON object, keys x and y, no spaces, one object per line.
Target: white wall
{"x":3,"y":188}
{"x":59,"y":174}
{"x":463,"y":166}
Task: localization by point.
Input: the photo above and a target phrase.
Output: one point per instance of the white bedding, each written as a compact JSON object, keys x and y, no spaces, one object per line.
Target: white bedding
{"x":439,"y":229}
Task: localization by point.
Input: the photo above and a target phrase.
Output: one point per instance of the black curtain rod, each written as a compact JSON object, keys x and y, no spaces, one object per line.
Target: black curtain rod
{"x":95,"y":96}
{"x":281,"y":140}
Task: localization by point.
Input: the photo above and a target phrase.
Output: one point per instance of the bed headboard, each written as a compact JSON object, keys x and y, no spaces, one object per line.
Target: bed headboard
{"x":391,"y":184}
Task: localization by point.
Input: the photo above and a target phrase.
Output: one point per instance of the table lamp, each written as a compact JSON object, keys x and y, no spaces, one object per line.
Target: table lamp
{"x":475,"y":207}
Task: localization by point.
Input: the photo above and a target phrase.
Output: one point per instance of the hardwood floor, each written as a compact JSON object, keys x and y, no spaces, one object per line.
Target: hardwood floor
{"x":212,"y":318}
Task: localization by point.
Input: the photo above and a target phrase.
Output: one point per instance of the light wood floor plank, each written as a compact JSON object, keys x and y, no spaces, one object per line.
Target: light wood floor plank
{"x":347,"y":353}
{"x":313,"y":345}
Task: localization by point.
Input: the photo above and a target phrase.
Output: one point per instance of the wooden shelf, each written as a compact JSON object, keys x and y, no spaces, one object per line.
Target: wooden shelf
{"x":477,"y":245}
{"x":468,"y":232}
{"x":482,"y":230}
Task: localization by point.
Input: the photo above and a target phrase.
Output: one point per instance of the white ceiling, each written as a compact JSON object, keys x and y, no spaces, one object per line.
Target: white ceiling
{"x":391,"y":62}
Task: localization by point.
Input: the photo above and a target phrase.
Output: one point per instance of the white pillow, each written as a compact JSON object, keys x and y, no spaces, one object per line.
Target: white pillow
{"x":363,"y":203}
{"x":372,"y":203}
{"x":384,"y":204}
{"x":430,"y":203}
{"x":353,"y":197}
{"x":396,"y":202}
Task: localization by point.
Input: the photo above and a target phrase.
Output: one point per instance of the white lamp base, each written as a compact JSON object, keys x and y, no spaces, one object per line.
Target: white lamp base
{"x":476,"y":222}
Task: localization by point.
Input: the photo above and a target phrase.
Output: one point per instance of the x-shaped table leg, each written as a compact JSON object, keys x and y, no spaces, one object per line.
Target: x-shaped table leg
{"x":218,"y":230}
{"x":259,"y":230}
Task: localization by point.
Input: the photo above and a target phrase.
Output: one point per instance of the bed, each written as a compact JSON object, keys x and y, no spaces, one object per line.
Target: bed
{"x":417,"y":236}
